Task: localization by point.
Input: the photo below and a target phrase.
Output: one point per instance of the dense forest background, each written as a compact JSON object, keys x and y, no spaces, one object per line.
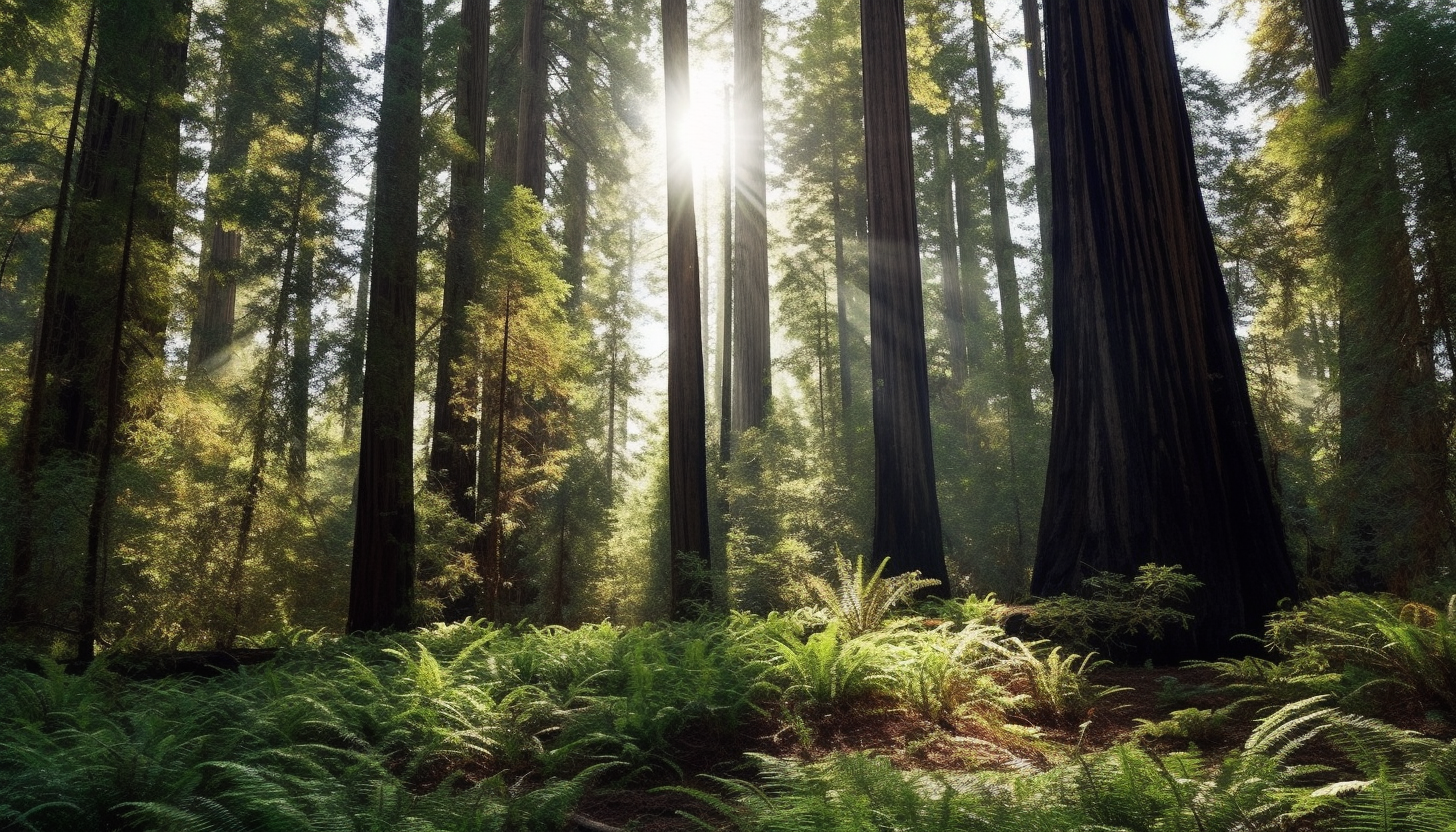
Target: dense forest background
{"x":211,"y":211}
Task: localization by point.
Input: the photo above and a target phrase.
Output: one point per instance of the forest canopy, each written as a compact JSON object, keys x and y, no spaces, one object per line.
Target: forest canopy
{"x":354,"y":315}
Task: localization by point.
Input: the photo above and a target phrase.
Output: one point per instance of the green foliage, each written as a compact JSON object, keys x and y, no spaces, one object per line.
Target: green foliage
{"x":1375,"y":643}
{"x":825,"y":670}
{"x":860,"y":604}
{"x":1056,"y":685}
{"x":1113,"y":608}
{"x":941,"y":675}
{"x":1196,"y":725}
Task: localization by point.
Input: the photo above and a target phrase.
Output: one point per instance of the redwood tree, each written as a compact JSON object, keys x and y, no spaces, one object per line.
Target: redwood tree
{"x":531,"y":117}
{"x":453,"y":449}
{"x":1394,"y":515}
{"x":1155,"y":456}
{"x":907,"y":513}
{"x":381,"y":589}
{"x":751,"y":369}
{"x":687,"y":455}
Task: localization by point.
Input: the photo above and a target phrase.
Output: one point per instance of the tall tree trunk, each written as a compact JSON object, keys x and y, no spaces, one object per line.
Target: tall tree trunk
{"x":212,"y":326}
{"x":725,"y":310}
{"x":453,"y":451}
{"x":752,"y":373}
{"x":952,"y":308}
{"x":1013,"y":340}
{"x":1019,"y":412}
{"x":578,"y":209}
{"x":1040,"y":142}
{"x":686,"y":410}
{"x":841,"y":293}
{"x":86,"y":626}
{"x":907,"y":512}
{"x":491,"y":569}
{"x":358,"y":329}
{"x":381,"y":590}
{"x":141,"y":54}
{"x":300,"y":370}
{"x":505,"y":93}
{"x":531,"y":152}
{"x":18,"y":609}
{"x":1395,"y":514}
{"x":577,"y":178}
{"x":969,"y":236}
{"x":1155,"y":455}
{"x":612,"y":370}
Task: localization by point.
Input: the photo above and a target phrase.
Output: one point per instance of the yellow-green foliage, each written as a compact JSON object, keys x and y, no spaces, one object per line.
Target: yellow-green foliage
{"x":858,"y":603}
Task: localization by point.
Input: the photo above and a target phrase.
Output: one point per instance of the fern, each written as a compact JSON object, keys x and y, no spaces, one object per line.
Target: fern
{"x":860,"y":604}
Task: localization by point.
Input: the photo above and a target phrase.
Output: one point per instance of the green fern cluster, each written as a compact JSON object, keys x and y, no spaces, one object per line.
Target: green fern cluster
{"x":1372,"y":642}
{"x":1125,"y":788}
{"x":860,"y":604}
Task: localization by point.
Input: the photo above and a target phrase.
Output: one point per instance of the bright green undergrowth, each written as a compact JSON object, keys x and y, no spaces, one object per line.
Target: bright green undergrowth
{"x":483,"y":727}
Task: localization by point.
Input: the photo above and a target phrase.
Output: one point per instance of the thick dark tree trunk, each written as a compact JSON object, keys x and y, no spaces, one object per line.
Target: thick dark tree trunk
{"x":86,"y":626}
{"x":17,"y":603}
{"x":531,"y":153}
{"x":505,"y":91}
{"x":212,"y":328}
{"x":1154,"y":455}
{"x":907,"y":512}
{"x":381,"y":591}
{"x":1329,"y":37}
{"x":687,"y":456}
{"x":139,"y":56}
{"x":1041,"y":144}
{"x":752,"y":374}
{"x":453,"y":451}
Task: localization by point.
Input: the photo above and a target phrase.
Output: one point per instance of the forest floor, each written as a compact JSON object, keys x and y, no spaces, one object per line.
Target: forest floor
{"x":755,"y":723}
{"x":880,"y":725}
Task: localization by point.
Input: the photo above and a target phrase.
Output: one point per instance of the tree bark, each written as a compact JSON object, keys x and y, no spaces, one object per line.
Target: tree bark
{"x":1013,"y":330}
{"x":907,"y":512}
{"x":952,"y":308}
{"x":358,"y":330}
{"x":752,"y":373}
{"x":969,"y":236}
{"x":139,"y":56}
{"x":100,"y":499}
{"x":686,"y":411}
{"x":1041,"y":144}
{"x":18,"y":609}
{"x":453,"y":453}
{"x":212,"y":326}
{"x":381,"y":590}
{"x":531,"y":152}
{"x":1154,"y":452}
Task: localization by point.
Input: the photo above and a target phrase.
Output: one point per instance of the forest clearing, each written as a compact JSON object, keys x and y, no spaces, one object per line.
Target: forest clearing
{"x":621,"y":415}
